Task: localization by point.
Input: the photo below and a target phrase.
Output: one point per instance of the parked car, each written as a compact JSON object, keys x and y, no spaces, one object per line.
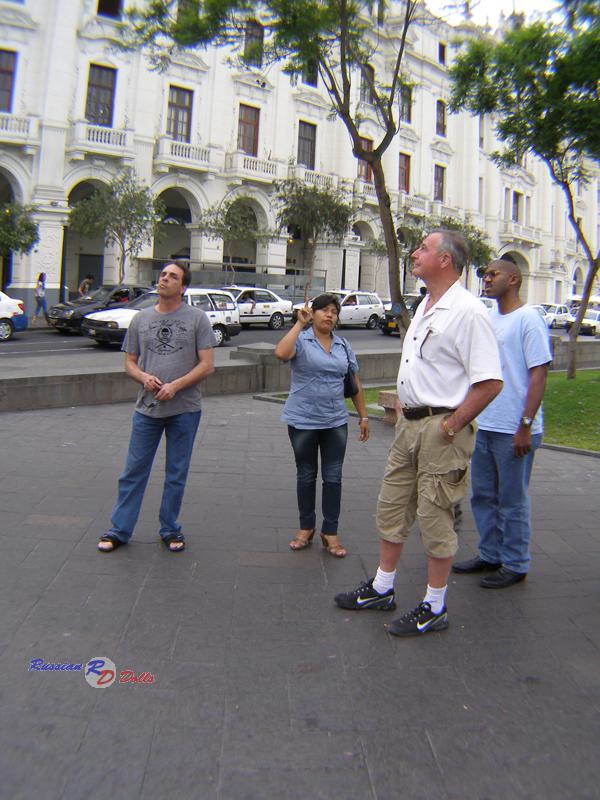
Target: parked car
{"x":357,"y":308}
{"x":110,"y":326}
{"x":557,"y":316}
{"x":489,"y":303}
{"x":67,"y":317}
{"x":541,"y":311}
{"x":12,"y":317}
{"x":388,"y":324}
{"x":261,"y":307}
{"x":590,"y":324}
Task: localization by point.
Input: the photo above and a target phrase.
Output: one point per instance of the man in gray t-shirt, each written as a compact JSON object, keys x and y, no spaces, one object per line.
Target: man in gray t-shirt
{"x":169,"y":352}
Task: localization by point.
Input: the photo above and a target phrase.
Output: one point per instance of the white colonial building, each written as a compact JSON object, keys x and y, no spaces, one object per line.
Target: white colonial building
{"x":74,"y":110}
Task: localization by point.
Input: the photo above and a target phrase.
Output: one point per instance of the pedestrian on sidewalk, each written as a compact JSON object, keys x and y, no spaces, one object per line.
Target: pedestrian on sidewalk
{"x":449,"y":372}
{"x":40,"y":299}
{"x":509,"y":432}
{"x":169,"y":352}
{"x":317,"y":418}
{"x":85,"y":287}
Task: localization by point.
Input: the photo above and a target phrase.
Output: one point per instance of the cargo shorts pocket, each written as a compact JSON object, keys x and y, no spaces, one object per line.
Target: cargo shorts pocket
{"x":447,"y":489}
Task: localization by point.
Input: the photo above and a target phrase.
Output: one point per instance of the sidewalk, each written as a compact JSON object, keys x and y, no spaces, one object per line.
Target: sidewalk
{"x":262,"y":687}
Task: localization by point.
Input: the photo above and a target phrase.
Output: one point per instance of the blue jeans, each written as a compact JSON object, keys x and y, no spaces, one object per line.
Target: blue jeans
{"x":40,"y":306}
{"x":146,"y":433}
{"x":500,"y":500}
{"x":306,"y":445}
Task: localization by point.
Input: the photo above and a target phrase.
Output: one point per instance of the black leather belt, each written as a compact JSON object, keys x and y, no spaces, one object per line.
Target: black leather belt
{"x":420,"y":412}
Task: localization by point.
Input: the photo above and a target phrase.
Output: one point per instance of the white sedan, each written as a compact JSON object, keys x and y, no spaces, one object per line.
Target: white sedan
{"x":12,"y":317}
{"x":110,"y":326}
{"x":357,"y":308}
{"x":558,"y":316}
{"x":261,"y":306}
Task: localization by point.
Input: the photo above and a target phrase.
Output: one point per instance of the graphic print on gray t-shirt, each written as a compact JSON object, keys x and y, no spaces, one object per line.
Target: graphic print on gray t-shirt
{"x":167,"y":346}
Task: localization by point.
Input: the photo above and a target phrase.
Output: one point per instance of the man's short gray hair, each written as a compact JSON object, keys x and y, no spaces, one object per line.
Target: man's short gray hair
{"x":456,"y":246}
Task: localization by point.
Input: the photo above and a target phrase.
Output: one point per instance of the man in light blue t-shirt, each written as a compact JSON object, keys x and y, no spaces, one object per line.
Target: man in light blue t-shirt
{"x":510,"y":431}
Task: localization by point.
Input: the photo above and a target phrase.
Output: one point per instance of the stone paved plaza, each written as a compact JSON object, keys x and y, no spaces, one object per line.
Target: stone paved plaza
{"x":262,"y":687}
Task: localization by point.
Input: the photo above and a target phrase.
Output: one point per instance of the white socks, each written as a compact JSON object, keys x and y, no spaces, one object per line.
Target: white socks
{"x":435,"y":597}
{"x":383,"y":581}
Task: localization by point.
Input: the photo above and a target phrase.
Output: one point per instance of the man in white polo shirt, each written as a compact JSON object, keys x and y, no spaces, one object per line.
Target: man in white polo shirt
{"x":449,"y":372}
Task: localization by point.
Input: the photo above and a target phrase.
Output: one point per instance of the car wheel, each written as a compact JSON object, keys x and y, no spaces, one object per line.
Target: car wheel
{"x":553,"y":324}
{"x":372,"y":322}
{"x":276,"y":322}
{"x":245,"y":325}
{"x":219,"y":335}
{"x":101,"y":343}
{"x":6,"y":330}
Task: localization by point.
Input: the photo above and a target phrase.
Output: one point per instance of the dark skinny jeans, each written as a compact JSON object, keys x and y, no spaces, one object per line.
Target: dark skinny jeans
{"x":331,"y":442}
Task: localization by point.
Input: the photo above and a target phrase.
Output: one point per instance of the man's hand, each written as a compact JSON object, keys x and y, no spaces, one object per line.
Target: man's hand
{"x":166,"y":392}
{"x":522,"y":442}
{"x":151,"y":383}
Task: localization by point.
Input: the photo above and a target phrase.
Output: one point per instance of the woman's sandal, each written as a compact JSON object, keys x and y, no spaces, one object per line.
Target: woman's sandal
{"x":109,"y":539}
{"x":301,"y":542}
{"x":174,"y":542}
{"x":336,"y":550}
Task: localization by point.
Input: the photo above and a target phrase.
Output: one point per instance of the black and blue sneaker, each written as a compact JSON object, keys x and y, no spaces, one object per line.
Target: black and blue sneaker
{"x":365,"y":596}
{"x":420,"y":620}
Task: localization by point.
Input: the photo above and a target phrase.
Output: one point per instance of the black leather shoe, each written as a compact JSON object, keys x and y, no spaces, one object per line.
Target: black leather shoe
{"x":502,"y":578}
{"x":475,"y":565}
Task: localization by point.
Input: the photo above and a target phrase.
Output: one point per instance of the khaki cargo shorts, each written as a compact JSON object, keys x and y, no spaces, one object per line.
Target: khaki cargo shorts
{"x":425,"y":476}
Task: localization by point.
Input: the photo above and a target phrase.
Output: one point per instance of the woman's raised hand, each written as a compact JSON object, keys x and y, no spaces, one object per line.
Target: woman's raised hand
{"x":305,"y":316}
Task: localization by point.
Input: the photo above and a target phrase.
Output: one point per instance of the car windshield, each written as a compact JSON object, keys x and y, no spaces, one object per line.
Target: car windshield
{"x":222,"y":302}
{"x":98,"y":296}
{"x":145,"y":301}
{"x":593,"y":315}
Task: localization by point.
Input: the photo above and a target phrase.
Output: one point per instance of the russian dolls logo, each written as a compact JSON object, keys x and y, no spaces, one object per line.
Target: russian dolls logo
{"x":100,"y":672}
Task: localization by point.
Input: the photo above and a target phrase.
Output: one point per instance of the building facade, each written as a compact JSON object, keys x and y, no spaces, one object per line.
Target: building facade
{"x":75,"y":111}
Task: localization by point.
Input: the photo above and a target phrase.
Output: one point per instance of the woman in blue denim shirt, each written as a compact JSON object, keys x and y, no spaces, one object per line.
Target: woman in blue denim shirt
{"x":317,"y":418}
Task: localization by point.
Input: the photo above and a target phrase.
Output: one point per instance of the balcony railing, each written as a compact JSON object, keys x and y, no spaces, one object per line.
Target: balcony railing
{"x":313,"y":178}
{"x":100,"y":140}
{"x":170,"y":153}
{"x":407,"y":202}
{"x":241,"y":165}
{"x":515,"y":230}
{"x":18,"y":130}
{"x":364,"y":192}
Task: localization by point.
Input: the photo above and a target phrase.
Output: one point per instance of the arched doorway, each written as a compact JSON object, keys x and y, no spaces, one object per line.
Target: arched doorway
{"x":516,"y":258}
{"x":173,"y":242}
{"x":82,"y":255}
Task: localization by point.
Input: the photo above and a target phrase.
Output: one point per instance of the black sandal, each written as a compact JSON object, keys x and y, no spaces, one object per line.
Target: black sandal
{"x":174,"y":538}
{"x":110,"y":539}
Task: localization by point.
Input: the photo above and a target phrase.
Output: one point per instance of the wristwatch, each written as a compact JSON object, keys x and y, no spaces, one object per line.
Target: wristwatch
{"x":449,"y":431}
{"x":526,"y":422}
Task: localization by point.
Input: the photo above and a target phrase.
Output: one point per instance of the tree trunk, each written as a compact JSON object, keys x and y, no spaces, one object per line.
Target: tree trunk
{"x":391,"y":243}
{"x":309,"y":266}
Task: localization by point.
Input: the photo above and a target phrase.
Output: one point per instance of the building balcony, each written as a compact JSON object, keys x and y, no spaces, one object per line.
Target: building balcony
{"x":241,"y":167}
{"x":96,"y":140}
{"x":364,"y":193}
{"x":516,"y":232}
{"x":409,"y":204}
{"x":170,"y":154}
{"x":19,"y":132}
{"x":312,"y":178}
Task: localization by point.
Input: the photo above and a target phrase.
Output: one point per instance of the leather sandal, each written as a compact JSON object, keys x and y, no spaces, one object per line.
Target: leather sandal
{"x":111,"y":542}
{"x":336,"y":550}
{"x":301,"y":542}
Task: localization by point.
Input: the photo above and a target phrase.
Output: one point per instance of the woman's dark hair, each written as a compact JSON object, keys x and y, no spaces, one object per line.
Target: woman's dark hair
{"x":324,"y":300}
{"x":42,"y":277}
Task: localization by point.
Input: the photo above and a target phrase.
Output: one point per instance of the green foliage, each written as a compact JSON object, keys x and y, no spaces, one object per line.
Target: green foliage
{"x":232,"y":221}
{"x":124,"y":212}
{"x":414,"y":228}
{"x":322,"y":213}
{"x":541,"y":83}
{"x":18,"y":231}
